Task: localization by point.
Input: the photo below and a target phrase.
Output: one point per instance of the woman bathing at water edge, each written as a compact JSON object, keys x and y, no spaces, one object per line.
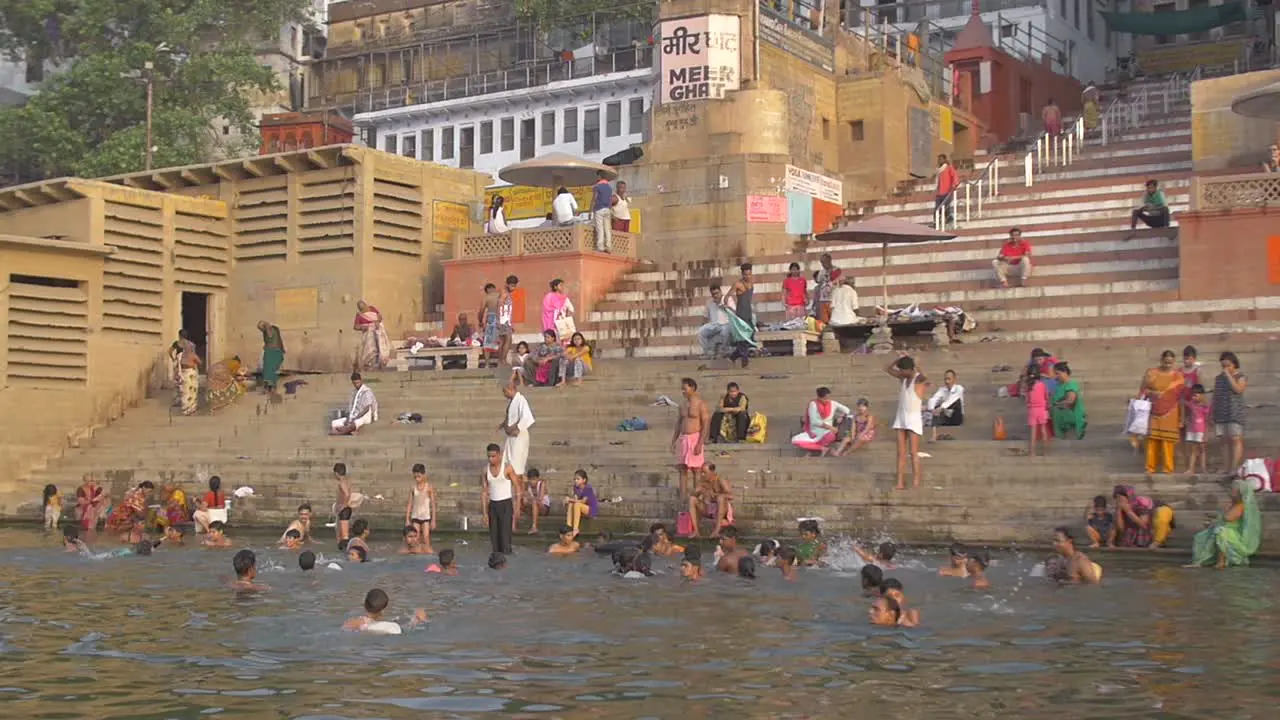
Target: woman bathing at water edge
{"x":1233,"y":537}
{"x":908,"y":424}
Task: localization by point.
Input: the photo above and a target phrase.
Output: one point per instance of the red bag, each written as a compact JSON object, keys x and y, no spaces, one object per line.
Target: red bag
{"x":684,"y":524}
{"x":998,"y":431}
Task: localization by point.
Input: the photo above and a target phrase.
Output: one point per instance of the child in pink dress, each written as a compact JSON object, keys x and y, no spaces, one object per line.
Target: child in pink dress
{"x":1197,"y":411}
{"x":1037,"y":412}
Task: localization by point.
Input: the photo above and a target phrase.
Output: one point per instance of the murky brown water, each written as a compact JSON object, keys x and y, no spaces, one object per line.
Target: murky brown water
{"x":162,"y":637}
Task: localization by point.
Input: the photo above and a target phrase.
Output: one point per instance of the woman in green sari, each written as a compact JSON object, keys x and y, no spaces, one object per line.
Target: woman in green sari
{"x":1235,"y":535}
{"x":272,"y":355}
{"x":1067,"y":412}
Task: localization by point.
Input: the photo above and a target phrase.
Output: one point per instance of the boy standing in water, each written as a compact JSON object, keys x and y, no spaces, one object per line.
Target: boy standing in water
{"x":891,"y":588}
{"x":691,"y":566}
{"x":445,"y":565}
{"x":420,"y":512}
{"x":787,"y":563}
{"x":728,"y":561}
{"x":342,"y":507}
{"x":957,"y":567}
{"x":567,"y":545}
{"x":976,"y":565}
{"x":245,"y":564}
{"x":217,"y":535}
{"x":359,"y":536}
{"x":811,"y":548}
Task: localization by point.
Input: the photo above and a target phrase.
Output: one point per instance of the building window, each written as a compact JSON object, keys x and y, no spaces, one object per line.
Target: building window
{"x":389,"y":143}
{"x":467,"y":147}
{"x":549,"y":128}
{"x":1088,"y":22}
{"x":486,"y":137}
{"x":446,"y":143}
{"x":1077,"y":14}
{"x":508,"y":134}
{"x":410,"y":146}
{"x":293,"y":40}
{"x":613,"y":119}
{"x":571,"y":125}
{"x":591,"y":131}
{"x":1062,"y":10}
{"x":826,"y":129}
{"x":428,"y":138}
{"x":635,"y":108}
{"x":856,"y":132}
{"x":1009,"y":30}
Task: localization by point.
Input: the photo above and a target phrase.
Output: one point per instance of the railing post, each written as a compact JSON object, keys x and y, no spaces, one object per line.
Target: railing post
{"x":1105,"y":125}
{"x":980,"y":192}
{"x":995,"y":182}
{"x":967,"y":200}
{"x":1026,"y":169}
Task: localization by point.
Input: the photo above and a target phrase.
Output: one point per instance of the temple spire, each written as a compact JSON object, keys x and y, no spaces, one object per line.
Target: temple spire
{"x":975,"y":33}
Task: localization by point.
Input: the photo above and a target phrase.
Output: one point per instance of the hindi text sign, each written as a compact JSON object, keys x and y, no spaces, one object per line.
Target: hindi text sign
{"x":701,"y":57}
{"x":766,"y":209}
{"x":818,"y":187}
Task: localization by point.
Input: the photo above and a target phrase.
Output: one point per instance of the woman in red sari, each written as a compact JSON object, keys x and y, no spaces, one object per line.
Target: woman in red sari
{"x":375,"y":345}
{"x":128,"y":516}
{"x":91,"y":500}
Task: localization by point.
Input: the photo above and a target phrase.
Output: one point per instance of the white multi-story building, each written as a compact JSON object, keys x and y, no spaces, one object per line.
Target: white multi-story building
{"x":590,"y":115}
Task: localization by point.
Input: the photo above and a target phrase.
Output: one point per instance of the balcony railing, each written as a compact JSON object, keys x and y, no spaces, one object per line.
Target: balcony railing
{"x":531,"y":75}
{"x":913,"y":12}
{"x":1252,"y":190}
{"x":541,"y":241}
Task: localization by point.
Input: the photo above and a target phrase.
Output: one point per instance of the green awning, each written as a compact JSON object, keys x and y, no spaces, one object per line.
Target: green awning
{"x":1179,"y":22}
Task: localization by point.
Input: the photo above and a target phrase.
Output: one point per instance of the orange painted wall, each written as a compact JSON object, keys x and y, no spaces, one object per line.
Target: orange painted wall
{"x":998,"y":110}
{"x":587,"y":277}
{"x":1250,"y":269}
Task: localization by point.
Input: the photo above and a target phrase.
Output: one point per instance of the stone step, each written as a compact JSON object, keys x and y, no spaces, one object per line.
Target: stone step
{"x":1042,"y":194}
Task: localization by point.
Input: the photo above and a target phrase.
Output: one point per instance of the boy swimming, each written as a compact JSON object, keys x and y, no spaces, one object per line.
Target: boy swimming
{"x":956,"y":567}
{"x":976,"y":565}
{"x":728,"y":561}
{"x":885,"y":612}
{"x":892,"y":588}
{"x":691,"y":565}
{"x":811,"y":548}
{"x":359,"y":536}
{"x":71,"y":541}
{"x":872,"y":576}
{"x":882,"y":557}
{"x":375,"y":604}
{"x":787,"y":563}
{"x":567,"y":545}
{"x":217,"y":536}
{"x":358,"y":554}
{"x":307,"y":560}
{"x":292,"y":540}
{"x":662,"y":544}
{"x":445,"y":563}
{"x":747,"y":567}
{"x":245,"y":563}
{"x":412,"y":542}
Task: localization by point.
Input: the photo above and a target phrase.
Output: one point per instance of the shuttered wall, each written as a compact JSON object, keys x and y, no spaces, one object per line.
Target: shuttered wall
{"x":47,"y":333}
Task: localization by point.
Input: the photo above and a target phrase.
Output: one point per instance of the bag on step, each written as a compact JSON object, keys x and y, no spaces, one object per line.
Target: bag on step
{"x":565,"y":327}
{"x":998,"y":431}
{"x":684,"y":524}
{"x":758,"y":431}
{"x":1138,"y":421}
{"x":1256,"y":471}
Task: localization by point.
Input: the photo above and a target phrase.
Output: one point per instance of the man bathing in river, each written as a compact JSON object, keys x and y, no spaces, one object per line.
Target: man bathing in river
{"x":690,"y":434}
{"x":731,"y":553}
{"x":1079,"y":569}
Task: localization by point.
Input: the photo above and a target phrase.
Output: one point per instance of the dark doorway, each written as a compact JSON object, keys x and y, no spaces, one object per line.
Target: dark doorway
{"x":195,"y":320}
{"x":527,"y":147}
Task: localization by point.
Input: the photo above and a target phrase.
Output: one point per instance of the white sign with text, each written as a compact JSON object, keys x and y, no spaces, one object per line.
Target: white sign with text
{"x":818,"y":187}
{"x":701,"y":57}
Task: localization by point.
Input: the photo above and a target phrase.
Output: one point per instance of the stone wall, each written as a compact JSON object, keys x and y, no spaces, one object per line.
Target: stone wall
{"x":1220,"y":138}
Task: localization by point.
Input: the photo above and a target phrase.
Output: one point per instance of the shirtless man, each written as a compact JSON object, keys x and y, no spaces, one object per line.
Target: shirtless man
{"x":343,"y":506}
{"x":1080,"y":569}
{"x":690,"y":434}
{"x":302,"y":524}
{"x":506,"y":317}
{"x":728,"y":561}
{"x":711,"y":498}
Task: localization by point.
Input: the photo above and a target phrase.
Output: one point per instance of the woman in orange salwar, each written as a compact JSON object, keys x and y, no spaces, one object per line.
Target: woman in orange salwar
{"x":1163,"y":386}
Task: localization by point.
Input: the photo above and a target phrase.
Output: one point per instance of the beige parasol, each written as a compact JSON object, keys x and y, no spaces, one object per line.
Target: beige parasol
{"x":883,"y":230}
{"x":555,"y":170}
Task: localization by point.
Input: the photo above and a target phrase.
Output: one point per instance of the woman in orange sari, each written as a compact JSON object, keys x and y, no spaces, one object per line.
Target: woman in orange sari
{"x":1163,"y":386}
{"x":126,"y":518}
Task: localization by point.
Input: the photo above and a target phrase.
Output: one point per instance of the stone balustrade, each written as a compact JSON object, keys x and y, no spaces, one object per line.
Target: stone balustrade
{"x":542,"y":241}
{"x":1223,"y":192}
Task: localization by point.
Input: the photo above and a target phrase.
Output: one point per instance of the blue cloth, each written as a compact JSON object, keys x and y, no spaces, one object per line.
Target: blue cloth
{"x":601,"y":196}
{"x":587,"y":494}
{"x":633,"y":424}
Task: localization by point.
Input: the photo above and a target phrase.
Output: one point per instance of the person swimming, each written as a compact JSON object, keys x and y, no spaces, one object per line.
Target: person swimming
{"x":691,"y":565}
{"x":872,"y":576}
{"x":975,"y":566}
{"x":567,"y":544}
{"x":445,"y":563}
{"x":307,"y":560}
{"x":375,"y":604}
{"x":886,"y":612}
{"x":497,"y":561}
{"x":245,"y":564}
{"x":747,"y":567}
{"x":767,"y":551}
{"x":1079,"y":568}
{"x":787,"y":563}
{"x":811,"y":548}
{"x":882,"y":557}
{"x":357,"y":553}
{"x":957,"y":567}
{"x":892,"y":588}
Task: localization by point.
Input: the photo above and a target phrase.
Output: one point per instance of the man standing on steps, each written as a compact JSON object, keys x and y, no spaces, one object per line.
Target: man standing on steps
{"x":947,"y":182}
{"x":498,"y":486}
{"x":516,"y":428}
{"x":602,"y":211}
{"x":690,"y":435}
{"x":1015,"y":253}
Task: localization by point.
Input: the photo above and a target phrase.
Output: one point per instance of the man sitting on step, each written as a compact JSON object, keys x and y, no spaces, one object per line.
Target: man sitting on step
{"x":1015,"y":253}
{"x":1154,"y":212}
{"x":713,"y":335}
{"x":362,"y":410}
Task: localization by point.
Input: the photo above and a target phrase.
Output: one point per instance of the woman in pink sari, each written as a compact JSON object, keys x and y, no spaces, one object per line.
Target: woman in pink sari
{"x":820,"y":422}
{"x":555,"y":305}
{"x":375,"y":346}
{"x":91,"y":499}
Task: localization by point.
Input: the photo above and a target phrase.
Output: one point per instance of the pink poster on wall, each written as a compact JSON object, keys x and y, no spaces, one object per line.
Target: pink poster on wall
{"x":766,"y":209}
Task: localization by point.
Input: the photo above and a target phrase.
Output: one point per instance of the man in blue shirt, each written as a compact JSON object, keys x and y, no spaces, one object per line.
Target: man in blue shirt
{"x":602,"y":211}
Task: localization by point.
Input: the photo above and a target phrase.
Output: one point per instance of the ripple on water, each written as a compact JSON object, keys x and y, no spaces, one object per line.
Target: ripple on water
{"x":1005,"y":668}
{"x":446,"y":703}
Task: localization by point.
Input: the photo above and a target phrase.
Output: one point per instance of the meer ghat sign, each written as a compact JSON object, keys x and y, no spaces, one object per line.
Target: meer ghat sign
{"x":701,"y":57}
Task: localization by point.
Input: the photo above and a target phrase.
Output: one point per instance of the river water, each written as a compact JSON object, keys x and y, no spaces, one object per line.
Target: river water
{"x":163,"y":637}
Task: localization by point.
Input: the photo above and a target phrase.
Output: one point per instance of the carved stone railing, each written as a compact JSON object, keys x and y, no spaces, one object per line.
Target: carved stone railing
{"x":542,"y":241}
{"x":1235,"y":191}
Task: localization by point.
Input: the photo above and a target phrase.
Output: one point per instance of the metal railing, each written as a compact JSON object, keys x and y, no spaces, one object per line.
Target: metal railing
{"x":1127,"y":113}
{"x":893,"y":49}
{"x":970,"y":196}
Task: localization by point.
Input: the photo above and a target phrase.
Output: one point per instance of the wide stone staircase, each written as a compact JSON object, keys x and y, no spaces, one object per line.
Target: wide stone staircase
{"x":1093,"y":278}
{"x":974,"y":488}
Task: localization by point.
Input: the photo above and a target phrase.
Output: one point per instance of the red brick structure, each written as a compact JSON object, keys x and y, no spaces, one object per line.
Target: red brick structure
{"x":284,"y":132}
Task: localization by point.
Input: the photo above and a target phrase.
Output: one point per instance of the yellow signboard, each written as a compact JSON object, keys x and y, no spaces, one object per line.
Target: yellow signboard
{"x":449,"y":220}
{"x":946,"y":127}
{"x":521,"y":203}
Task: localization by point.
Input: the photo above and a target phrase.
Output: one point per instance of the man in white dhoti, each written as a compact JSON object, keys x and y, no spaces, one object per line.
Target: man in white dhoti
{"x":362,"y":410}
{"x":516,"y":427}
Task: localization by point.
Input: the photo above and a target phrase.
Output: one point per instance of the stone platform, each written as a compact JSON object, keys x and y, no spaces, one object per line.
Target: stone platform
{"x":975,"y":489}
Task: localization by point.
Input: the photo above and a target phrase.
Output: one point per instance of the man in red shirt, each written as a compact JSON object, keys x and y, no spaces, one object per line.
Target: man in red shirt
{"x":947,"y":182}
{"x":1015,"y":253}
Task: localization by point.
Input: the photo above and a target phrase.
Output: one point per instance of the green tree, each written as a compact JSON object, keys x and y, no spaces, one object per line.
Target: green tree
{"x":88,"y":118}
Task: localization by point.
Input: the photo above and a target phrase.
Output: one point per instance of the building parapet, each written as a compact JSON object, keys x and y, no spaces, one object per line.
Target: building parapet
{"x":1225,"y":192}
{"x":541,"y":241}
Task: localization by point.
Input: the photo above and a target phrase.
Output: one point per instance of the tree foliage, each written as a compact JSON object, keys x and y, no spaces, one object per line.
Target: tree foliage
{"x":88,"y":118}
